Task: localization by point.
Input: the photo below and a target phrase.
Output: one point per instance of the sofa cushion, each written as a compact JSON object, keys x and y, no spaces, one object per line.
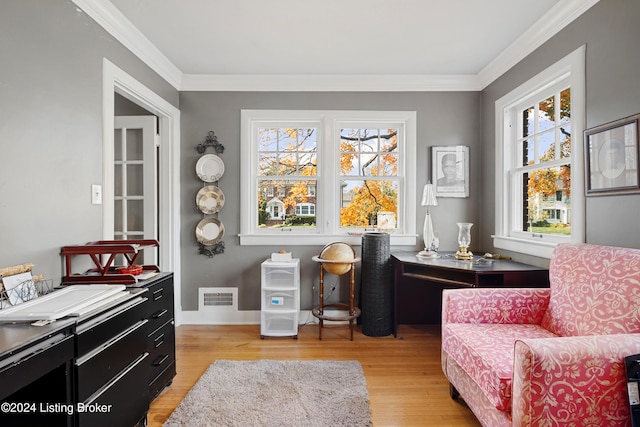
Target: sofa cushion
{"x":485,"y":353}
{"x":595,"y":290}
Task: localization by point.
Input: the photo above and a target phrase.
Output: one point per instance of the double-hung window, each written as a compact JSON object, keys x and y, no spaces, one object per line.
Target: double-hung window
{"x":539,"y":161}
{"x":312,"y":177}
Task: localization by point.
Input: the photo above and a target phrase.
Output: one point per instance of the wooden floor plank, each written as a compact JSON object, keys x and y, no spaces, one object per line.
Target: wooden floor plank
{"x":404,"y":377}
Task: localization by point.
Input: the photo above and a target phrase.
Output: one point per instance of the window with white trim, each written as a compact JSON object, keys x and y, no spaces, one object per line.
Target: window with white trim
{"x":305,"y":209}
{"x":329,"y":175}
{"x":539,"y":161}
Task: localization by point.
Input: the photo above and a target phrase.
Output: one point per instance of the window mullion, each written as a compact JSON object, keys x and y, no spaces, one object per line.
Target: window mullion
{"x":327,"y":183}
{"x":557,"y":106}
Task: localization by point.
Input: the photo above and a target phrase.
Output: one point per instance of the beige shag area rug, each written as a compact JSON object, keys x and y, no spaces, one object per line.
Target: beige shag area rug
{"x":276,"y":393}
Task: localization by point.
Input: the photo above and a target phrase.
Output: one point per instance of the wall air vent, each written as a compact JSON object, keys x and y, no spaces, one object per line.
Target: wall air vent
{"x":218,"y":299}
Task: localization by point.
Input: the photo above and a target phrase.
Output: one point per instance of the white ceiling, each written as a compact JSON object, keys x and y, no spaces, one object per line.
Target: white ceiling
{"x":301,"y":39}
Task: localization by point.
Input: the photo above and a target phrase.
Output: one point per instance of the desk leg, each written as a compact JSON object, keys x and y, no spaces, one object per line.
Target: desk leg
{"x":321,"y":302}
{"x":351,"y":299}
{"x":397,"y":271}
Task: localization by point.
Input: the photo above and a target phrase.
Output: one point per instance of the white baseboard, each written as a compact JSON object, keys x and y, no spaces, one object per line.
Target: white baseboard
{"x":240,"y":317}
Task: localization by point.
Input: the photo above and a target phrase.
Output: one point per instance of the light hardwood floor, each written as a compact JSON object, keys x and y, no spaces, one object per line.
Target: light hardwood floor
{"x":404,"y":378}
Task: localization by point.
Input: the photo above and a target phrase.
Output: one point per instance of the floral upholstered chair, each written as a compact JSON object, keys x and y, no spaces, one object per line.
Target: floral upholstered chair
{"x":548,"y":357}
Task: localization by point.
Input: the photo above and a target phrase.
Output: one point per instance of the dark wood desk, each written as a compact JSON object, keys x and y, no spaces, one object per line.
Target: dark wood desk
{"x":418,"y":282}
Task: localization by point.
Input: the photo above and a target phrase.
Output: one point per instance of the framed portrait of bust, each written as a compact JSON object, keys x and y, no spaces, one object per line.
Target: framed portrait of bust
{"x":450,"y":171}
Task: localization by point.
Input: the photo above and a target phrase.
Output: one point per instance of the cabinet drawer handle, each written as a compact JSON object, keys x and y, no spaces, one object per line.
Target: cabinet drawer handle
{"x":157,"y":294}
{"x":160,"y":313}
{"x":160,"y":360}
{"x":159,"y":341}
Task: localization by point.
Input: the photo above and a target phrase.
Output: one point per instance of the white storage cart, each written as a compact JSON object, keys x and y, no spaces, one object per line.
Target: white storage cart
{"x":280,"y":307}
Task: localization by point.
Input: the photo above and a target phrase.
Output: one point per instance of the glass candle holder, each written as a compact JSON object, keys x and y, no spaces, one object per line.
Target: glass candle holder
{"x":464,"y":240}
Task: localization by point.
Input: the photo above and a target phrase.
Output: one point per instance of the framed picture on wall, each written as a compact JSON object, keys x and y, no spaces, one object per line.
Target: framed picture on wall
{"x":611,"y":157}
{"x":450,"y":171}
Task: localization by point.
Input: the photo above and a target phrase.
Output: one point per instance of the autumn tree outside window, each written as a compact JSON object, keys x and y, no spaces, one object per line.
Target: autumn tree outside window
{"x":327,"y":175}
{"x":368,"y":177}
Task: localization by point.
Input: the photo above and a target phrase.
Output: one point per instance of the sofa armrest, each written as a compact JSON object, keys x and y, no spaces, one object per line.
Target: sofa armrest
{"x":494,"y":305}
{"x":572,"y":380}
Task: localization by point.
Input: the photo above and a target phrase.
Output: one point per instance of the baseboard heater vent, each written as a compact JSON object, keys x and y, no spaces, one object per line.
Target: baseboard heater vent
{"x":218,"y":299}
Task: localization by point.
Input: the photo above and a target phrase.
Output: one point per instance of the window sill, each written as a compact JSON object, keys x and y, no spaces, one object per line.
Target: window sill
{"x":318,"y":239}
{"x":525,"y":246}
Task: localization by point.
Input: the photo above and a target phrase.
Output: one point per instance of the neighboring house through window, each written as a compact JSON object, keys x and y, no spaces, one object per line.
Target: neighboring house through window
{"x":539,"y":160}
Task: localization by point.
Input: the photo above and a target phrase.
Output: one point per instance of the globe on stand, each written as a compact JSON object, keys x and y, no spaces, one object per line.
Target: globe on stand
{"x":338,"y":256}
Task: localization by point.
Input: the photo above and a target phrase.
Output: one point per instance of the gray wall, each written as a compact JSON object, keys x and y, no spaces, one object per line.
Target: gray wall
{"x":443,"y":119}
{"x":611,"y":34}
{"x":51,"y":127}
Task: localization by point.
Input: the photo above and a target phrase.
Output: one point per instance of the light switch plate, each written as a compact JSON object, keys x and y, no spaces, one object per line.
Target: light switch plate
{"x":96,"y":194}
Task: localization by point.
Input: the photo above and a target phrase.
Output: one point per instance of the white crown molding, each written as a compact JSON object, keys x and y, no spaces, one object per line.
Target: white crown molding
{"x":116,"y":24}
{"x":328,"y":83}
{"x":561,"y":15}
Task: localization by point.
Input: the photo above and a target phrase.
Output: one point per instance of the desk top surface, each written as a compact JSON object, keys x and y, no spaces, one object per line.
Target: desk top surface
{"x":15,"y":337}
{"x":447,"y":260}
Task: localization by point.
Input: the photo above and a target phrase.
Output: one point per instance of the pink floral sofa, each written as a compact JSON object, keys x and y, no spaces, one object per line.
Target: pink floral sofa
{"x":548,"y":357}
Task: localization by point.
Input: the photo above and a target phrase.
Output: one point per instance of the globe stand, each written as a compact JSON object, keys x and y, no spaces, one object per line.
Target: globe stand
{"x":352,"y":312}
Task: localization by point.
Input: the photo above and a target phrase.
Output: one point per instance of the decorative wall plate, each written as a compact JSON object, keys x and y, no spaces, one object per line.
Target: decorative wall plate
{"x":210,"y":168}
{"x":210,"y":199}
{"x":209,"y":231}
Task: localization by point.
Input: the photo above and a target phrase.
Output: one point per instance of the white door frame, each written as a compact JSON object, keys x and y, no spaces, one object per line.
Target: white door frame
{"x":115,"y":80}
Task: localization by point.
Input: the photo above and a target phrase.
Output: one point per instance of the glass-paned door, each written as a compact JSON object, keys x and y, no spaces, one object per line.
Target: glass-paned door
{"x":135,"y":182}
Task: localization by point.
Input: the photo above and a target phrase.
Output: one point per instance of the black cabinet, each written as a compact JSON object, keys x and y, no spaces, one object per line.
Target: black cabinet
{"x":126,"y":357}
{"x":102,"y":368}
{"x":81,"y":371}
{"x":110,"y":354}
